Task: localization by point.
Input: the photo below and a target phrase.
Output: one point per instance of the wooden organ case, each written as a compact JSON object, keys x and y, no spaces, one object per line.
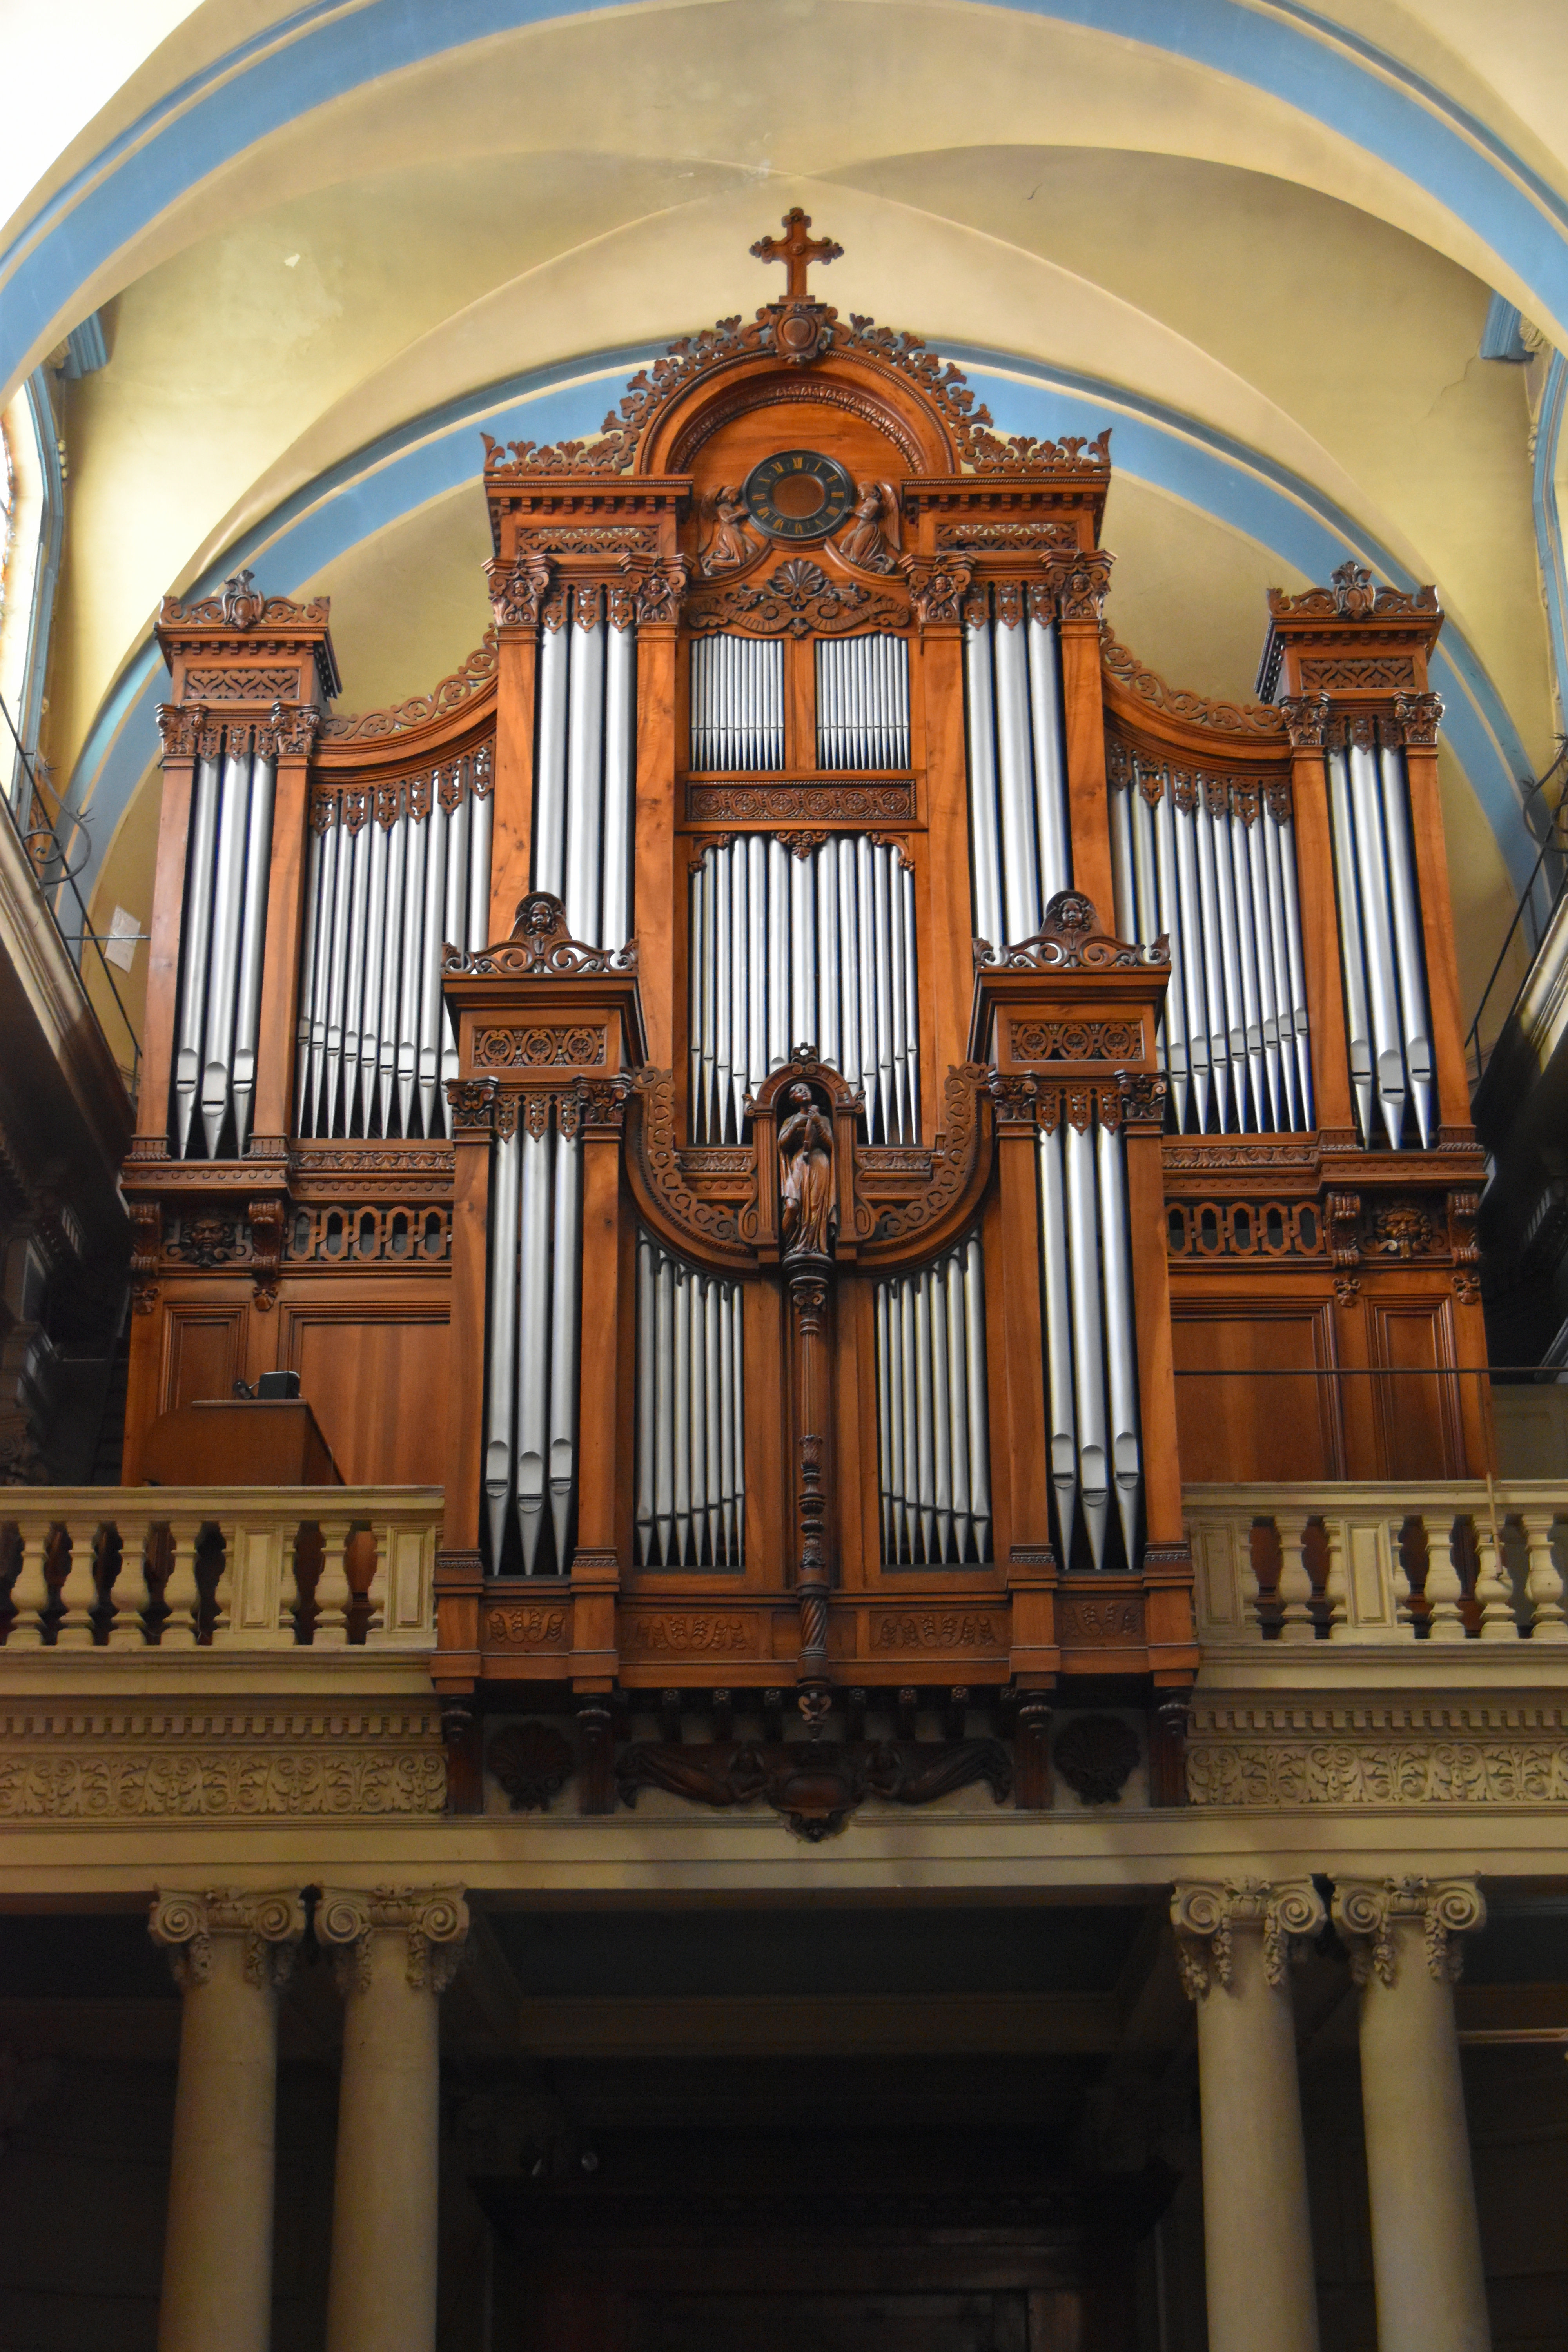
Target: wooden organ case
{"x":806,"y":1087}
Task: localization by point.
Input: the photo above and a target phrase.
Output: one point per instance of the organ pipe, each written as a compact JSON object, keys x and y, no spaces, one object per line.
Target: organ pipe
{"x":223,"y":937}
{"x":583,"y":768}
{"x":533,"y":1340}
{"x":862,"y":702}
{"x":394,"y":875}
{"x":690,"y":1462}
{"x":1020,"y":835}
{"x":788,"y":949}
{"x":738,"y":704}
{"x":1094,"y":1445}
{"x":1388,"y":1031}
{"x":931,"y":1422}
{"x":1213,"y":864}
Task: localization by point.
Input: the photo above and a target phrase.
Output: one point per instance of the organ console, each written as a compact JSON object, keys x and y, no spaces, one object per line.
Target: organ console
{"x":805,"y":1087}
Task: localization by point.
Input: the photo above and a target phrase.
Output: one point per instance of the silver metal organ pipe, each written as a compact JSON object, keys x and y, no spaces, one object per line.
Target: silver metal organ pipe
{"x":755,"y":934}
{"x":550,"y":760}
{"x":565,"y":1302}
{"x":779,"y":1039}
{"x":1015,"y":766}
{"x":392,"y":958}
{"x":1408,"y":955}
{"x":420,"y":953}
{"x":1197,"y":819}
{"x":905,"y":876}
{"x":1192,"y":959}
{"x":829,"y":1036}
{"x":480,"y":819}
{"x":533,"y":1341}
{"x":740,"y":987}
{"x":1124,"y":866}
{"x":620,"y":775}
{"x":866,"y":925}
{"x":372,"y":978}
{"x":252,"y":942}
{"x":1275,"y":1019}
{"x":350,"y":859}
{"x":1121,"y":1336}
{"x":1088,"y":1336}
{"x":1178,"y":1035}
{"x":802,"y":1008}
{"x":1234,"y":847}
{"x":727,"y":1049}
{"x":1051,"y":819}
{"x":1352,"y":954}
{"x":223,"y":967}
{"x":194,"y":947}
{"x":585,"y":768}
{"x":502,"y":1368}
{"x":1216,"y":821}
{"x":1061,"y":1421}
{"x":428,"y":1051}
{"x":311,"y":1031}
{"x":690,"y":1476}
{"x":933,"y":1476}
{"x":981,"y":719}
{"x":1286,"y":832}
{"x":850,"y":967}
{"x":1383,"y":987}
{"x":1281,"y":884}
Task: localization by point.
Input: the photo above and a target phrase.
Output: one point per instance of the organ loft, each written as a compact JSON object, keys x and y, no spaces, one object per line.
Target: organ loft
{"x":805,"y":1090}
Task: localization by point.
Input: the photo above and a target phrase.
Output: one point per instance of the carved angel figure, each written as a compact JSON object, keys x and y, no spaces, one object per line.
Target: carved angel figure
{"x":730,"y":544}
{"x":865,"y":539}
{"x":805,"y":1171}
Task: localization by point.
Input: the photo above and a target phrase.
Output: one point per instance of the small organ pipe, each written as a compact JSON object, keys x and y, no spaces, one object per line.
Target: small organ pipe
{"x":957,"y":1400}
{"x":979,"y":1419}
{"x":252,"y":940}
{"x":690,"y":1481}
{"x":933,"y":1477}
{"x":909,"y":1389}
{"x":933,"y":1290}
{"x":919,"y":1297}
{"x":1409,"y":964}
{"x":1088,"y":1337}
{"x":885,"y":1424}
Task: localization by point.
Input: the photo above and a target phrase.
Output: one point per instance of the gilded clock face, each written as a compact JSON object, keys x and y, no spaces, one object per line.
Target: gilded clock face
{"x":798,"y":495}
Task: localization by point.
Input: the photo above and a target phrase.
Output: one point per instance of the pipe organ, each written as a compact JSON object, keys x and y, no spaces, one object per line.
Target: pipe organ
{"x":805,"y":1087}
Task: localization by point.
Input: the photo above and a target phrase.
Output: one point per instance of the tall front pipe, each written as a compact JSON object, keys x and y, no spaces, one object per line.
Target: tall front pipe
{"x":989,"y":919}
{"x":1121,"y":1338}
{"x":1409,"y":961}
{"x":533,"y":1339}
{"x":586,"y":770}
{"x":252,"y":939}
{"x":1061,"y":1433}
{"x":620,"y":766}
{"x":1088,"y":1337}
{"x":565,"y":1298}
{"x":500,"y":1388}
{"x":1353,"y":952}
{"x":223,"y":962}
{"x":550,"y":762}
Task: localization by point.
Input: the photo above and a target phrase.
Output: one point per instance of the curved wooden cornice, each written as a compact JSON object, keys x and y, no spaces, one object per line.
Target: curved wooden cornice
{"x":457,"y":713}
{"x":926,"y":1215}
{"x":705,"y":1231}
{"x":1167,"y":721}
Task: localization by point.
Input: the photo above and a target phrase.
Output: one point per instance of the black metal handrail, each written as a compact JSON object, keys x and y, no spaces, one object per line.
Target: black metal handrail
{"x":46,"y":852}
{"x":1554,"y":846}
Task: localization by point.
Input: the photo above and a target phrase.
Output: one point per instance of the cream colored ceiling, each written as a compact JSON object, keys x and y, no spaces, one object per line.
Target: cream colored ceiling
{"x":998,"y":178}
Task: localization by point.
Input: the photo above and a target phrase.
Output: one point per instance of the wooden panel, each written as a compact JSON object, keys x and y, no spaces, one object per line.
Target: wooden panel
{"x":1238,"y":1427}
{"x":1418,"y":1424}
{"x":379,"y":1391}
{"x":203,"y":1353}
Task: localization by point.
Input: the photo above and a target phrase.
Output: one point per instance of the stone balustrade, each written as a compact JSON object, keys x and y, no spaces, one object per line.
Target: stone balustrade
{"x":1465,"y":1560}
{"x":119,"y":1569}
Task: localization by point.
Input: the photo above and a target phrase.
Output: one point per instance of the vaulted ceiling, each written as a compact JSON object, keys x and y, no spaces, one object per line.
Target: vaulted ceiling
{"x":330,"y":242}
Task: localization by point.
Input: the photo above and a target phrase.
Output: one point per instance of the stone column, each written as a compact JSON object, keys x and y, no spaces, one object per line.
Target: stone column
{"x":1425,"y":2241}
{"x":396,"y":1949}
{"x":1233,"y":1941}
{"x":230,"y":1951}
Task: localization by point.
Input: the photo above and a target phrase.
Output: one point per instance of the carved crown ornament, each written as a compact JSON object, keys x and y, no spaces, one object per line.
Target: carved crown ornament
{"x":1070,"y":940}
{"x":540,"y":946}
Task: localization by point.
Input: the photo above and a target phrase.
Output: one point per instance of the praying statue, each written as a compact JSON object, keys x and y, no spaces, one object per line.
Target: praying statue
{"x":805,"y":1168}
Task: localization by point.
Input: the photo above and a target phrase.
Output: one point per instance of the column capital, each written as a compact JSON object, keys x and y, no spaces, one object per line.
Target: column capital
{"x":187,"y":1925}
{"x":432,"y":1919}
{"x":1208,"y":1913}
{"x":1368,"y":1912}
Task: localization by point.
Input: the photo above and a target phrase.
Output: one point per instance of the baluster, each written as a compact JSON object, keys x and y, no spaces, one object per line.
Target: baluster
{"x":377,"y":1592}
{"x":223,"y":1589}
{"x":1403,"y":1590}
{"x":1251,"y":1584}
{"x":333,"y":1598}
{"x":1543,"y":1582}
{"x":1493,"y":1590}
{"x":79,"y":1593}
{"x":30,"y":1595}
{"x":182,"y":1598}
{"x":1444,"y":1591}
{"x":128,"y":1593}
{"x":1336,"y":1580}
{"x":1294,"y":1588}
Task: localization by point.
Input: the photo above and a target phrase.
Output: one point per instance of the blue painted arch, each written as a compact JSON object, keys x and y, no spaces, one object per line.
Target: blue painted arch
{"x":323,"y":52}
{"x":440,"y":453}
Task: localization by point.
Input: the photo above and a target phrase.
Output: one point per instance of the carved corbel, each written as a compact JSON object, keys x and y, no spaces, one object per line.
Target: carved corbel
{"x":289,"y":731}
{"x":519,"y":590}
{"x":1417,"y":718}
{"x":938,"y":586}
{"x":180,"y":725}
{"x":658,"y":586}
{"x":1305,"y":719}
{"x":1081,"y":582}
{"x":266,"y":1217}
{"x":472,"y":1103}
{"x":146,"y":1248}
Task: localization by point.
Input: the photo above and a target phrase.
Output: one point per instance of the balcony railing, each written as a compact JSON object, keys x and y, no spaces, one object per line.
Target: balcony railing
{"x":1466,"y":1560}
{"x":231,"y":1568}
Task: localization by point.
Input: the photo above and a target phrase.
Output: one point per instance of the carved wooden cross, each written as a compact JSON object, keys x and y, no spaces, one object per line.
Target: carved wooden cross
{"x":797,"y":252}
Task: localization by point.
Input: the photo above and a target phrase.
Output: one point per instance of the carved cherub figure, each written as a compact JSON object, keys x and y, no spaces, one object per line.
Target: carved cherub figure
{"x":865,"y":539}
{"x":807,"y":1219}
{"x":732,"y":542}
